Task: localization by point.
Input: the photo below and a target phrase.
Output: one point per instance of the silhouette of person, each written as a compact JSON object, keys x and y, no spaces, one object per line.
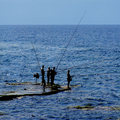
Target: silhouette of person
{"x":69,"y":78}
{"x":36,"y":76}
{"x":53,"y":73}
{"x":48,"y":75}
{"x":43,"y":74}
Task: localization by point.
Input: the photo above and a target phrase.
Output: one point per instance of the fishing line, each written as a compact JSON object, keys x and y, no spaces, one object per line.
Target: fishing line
{"x":82,"y":66}
{"x":70,"y":40}
{"x":95,"y":74}
{"x":36,"y":55}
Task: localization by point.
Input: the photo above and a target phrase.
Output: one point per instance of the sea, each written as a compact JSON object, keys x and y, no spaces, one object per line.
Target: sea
{"x":90,"y":52}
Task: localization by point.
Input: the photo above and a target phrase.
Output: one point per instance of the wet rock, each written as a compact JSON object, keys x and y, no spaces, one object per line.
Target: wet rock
{"x":115,"y":108}
{"x":33,"y":115}
{"x":23,"y":83}
{"x":86,"y":107}
{"x":91,"y":107}
{"x":1,"y":113}
{"x":19,"y":94}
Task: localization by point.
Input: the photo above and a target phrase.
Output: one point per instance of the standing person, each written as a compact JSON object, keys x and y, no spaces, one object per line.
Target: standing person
{"x":53,"y":73}
{"x":48,"y":75}
{"x":51,"y":76}
{"x":69,"y":78}
{"x":43,"y":74}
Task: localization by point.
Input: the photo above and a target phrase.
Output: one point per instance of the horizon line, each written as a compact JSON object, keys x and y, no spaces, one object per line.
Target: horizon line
{"x":51,"y":24}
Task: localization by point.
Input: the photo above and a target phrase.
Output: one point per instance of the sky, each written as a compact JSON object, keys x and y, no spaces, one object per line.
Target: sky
{"x":59,"y":12}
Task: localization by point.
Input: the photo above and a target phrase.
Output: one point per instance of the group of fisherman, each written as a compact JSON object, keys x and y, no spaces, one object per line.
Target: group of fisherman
{"x":51,"y":76}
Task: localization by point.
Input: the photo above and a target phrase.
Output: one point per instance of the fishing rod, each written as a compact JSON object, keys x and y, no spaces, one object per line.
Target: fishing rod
{"x":76,"y":66}
{"x":26,"y":66}
{"x":70,"y":41}
{"x":36,"y":55}
{"x":85,"y":65}
{"x":95,"y":74}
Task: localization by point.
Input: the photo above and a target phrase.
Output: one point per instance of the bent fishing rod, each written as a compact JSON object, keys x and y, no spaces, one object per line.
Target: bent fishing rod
{"x":70,"y":41}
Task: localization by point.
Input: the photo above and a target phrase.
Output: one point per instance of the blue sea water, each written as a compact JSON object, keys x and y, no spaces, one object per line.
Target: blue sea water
{"x":93,"y":56}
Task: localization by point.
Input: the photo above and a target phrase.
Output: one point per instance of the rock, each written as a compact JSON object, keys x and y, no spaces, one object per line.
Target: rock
{"x":1,"y":113}
{"x":90,"y":107}
{"x":86,"y":107}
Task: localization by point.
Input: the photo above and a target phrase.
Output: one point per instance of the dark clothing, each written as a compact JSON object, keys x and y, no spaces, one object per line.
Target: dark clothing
{"x":36,"y":76}
{"x":69,"y":78}
{"x":44,"y":84}
{"x":42,"y":71}
{"x":48,"y":75}
{"x":53,"y":73}
{"x":43,"y":74}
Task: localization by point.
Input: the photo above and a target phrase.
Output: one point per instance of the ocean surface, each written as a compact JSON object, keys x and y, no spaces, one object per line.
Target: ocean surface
{"x":92,"y":53}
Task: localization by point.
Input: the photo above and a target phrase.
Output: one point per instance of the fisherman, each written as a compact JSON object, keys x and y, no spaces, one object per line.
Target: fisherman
{"x":43,"y":74}
{"x":36,"y":76}
{"x":48,"y":75}
{"x":69,"y":78}
{"x":53,"y":73}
